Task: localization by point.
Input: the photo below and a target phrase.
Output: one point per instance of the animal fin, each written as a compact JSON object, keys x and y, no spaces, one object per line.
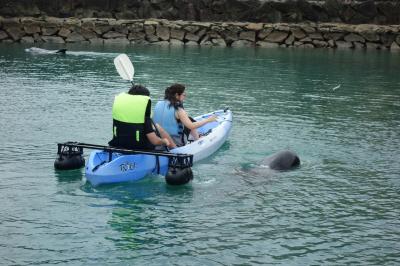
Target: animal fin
{"x":61,"y":51}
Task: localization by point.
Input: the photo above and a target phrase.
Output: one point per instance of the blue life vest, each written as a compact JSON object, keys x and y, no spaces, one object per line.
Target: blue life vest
{"x":164,"y":115}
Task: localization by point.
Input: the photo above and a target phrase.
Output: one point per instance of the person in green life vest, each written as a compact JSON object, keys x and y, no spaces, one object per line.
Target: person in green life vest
{"x":171,"y":115}
{"x":132,"y":124}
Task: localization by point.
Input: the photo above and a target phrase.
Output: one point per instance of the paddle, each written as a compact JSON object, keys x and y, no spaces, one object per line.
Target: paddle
{"x":124,"y":67}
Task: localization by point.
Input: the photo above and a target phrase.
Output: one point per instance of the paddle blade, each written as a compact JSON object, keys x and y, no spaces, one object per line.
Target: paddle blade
{"x":124,"y":67}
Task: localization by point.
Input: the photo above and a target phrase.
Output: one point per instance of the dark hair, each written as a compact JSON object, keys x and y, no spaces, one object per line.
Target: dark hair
{"x":139,"y":90}
{"x":170,"y":94}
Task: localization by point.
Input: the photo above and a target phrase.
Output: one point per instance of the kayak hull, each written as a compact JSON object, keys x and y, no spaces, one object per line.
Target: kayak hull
{"x":104,"y":167}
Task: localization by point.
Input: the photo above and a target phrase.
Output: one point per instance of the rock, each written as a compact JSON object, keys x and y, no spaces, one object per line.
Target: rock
{"x":319,"y":44}
{"x":53,"y":39}
{"x":307,"y":28}
{"x":162,"y":43}
{"x":398,"y":39}
{"x":298,"y":33}
{"x":218,"y":42}
{"x":151,"y":38}
{"x":192,"y":37}
{"x":176,"y":42}
{"x":290,"y":40}
{"x":395,"y":47}
{"x":64,"y":32}
{"x":264,"y":33}
{"x":191,"y":43}
{"x":31,"y":29}
{"x":316,"y":36}
{"x":119,"y":41}
{"x":87,"y":34}
{"x":3,"y":35}
{"x":254,"y":26}
{"x":191,"y":28}
{"x":113,"y":35}
{"x":331,"y":43}
{"x":354,"y":38}
{"x":48,"y":31}
{"x":75,"y":37}
{"x":136,"y":36}
{"x":248,"y":35}
{"x":372,"y":46}
{"x":242,"y":43}
{"x":163,"y":32}
{"x":267,"y":44}
{"x":276,"y":36}
{"x":177,"y":34}
{"x":333,"y":36}
{"x":96,"y":41}
{"x":27,"y":39}
{"x":15,"y":32}
{"x":358,"y":45}
{"x":149,"y":30}
{"x":344,"y":45}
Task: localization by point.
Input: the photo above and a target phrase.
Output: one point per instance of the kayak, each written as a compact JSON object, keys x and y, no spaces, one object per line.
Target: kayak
{"x":104,"y":167}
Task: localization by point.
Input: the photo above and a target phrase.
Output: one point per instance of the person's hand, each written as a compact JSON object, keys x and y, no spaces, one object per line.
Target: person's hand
{"x":212,"y":118}
{"x":166,"y":142}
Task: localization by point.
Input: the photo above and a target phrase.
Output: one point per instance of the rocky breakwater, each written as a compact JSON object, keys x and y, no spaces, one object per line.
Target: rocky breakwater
{"x":164,"y":32}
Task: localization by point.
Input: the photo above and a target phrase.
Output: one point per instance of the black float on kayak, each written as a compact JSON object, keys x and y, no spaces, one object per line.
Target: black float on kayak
{"x":69,"y":157}
{"x":178,"y":173}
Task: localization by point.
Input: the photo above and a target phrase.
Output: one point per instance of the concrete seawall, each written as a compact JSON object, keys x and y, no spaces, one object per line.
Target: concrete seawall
{"x":166,"y":32}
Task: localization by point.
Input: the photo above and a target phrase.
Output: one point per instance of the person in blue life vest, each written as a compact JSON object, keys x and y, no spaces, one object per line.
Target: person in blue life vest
{"x":132,"y":124}
{"x":170,"y":115}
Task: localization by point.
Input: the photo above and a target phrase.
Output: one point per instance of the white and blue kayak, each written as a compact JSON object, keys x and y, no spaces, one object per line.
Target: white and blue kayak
{"x":104,"y":167}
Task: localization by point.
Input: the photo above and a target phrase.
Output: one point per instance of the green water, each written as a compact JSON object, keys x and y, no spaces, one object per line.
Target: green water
{"x":341,"y":207}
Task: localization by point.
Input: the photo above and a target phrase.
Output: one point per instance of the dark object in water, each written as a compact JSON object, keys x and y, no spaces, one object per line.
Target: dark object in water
{"x":179,"y":176}
{"x":283,"y":160}
{"x":68,"y":159}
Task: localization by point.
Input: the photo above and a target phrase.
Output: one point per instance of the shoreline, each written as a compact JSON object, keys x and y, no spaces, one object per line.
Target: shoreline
{"x":191,"y":33}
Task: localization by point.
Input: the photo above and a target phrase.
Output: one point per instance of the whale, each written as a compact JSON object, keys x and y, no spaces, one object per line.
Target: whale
{"x":282,"y":160}
{"x":36,"y":50}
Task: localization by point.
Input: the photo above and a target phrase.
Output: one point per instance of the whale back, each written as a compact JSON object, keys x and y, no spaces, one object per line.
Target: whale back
{"x":282,"y":160}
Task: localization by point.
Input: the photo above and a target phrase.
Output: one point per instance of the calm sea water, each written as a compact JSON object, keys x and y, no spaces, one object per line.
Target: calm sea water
{"x":341,"y":207}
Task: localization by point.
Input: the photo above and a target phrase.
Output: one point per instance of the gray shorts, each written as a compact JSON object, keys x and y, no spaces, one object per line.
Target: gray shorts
{"x":178,"y":140}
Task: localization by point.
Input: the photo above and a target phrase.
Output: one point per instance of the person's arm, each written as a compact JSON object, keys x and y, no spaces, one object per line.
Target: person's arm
{"x":155,"y":140}
{"x":184,"y":118}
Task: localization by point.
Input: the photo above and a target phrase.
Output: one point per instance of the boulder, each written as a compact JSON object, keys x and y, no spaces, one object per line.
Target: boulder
{"x":276,"y":36}
{"x":16,"y":33}
{"x":3,"y":35}
{"x":177,"y":34}
{"x":53,"y":39}
{"x":298,"y":33}
{"x":48,"y":31}
{"x":31,"y":29}
{"x":27,"y":39}
{"x":267,"y":44}
{"x":192,"y":37}
{"x":344,"y":45}
{"x":75,"y":37}
{"x":254,"y":26}
{"x":248,"y":35}
{"x":242,"y":43}
{"x":395,"y":47}
{"x":354,"y":38}
{"x":163,"y":32}
{"x":113,"y":35}
{"x":176,"y":42}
